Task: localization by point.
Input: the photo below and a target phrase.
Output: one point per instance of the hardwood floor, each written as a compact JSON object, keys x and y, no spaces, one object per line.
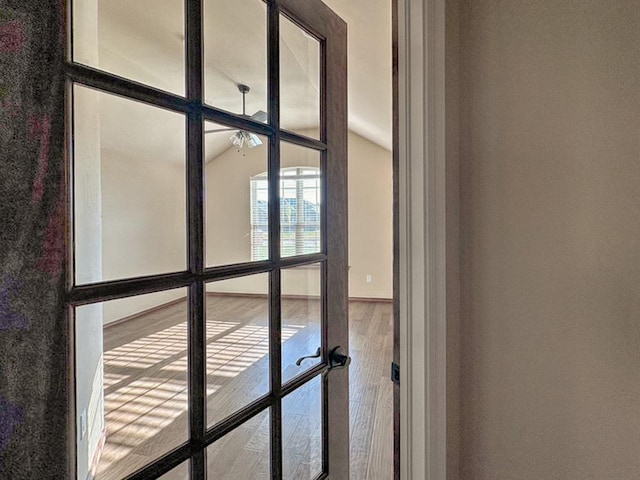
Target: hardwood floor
{"x":371,"y":390}
{"x":146,"y":389}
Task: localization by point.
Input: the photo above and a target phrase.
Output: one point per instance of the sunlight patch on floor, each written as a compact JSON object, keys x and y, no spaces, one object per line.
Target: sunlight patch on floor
{"x":146,"y":382}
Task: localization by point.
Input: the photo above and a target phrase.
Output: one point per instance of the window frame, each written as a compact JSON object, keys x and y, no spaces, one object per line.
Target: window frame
{"x":300,"y":222}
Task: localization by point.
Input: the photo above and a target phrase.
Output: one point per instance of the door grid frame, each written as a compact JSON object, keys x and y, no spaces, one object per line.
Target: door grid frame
{"x":197,"y":275}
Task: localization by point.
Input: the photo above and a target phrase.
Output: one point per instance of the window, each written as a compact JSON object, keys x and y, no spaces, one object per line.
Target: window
{"x":299,"y":213}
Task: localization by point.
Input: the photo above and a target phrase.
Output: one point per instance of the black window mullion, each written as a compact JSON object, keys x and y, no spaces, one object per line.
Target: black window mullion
{"x":197,"y":379}
{"x":324,"y":289}
{"x":275,"y":348}
{"x":274,"y":120}
{"x":275,"y":339}
{"x":195,"y":235}
{"x":235,"y":120}
{"x":111,"y":83}
{"x":302,"y":140}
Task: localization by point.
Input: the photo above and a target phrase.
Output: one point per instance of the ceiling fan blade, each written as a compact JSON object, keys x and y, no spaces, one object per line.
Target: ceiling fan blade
{"x":259,"y":116}
{"x":219,"y":130}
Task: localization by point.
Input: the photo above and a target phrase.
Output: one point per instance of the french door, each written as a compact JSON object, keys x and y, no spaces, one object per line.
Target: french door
{"x":208,"y":197}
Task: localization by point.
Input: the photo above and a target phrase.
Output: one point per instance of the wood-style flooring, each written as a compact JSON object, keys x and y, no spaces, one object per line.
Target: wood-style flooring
{"x":145,"y":364}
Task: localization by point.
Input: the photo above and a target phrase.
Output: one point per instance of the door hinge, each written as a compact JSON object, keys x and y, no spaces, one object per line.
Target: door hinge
{"x":395,"y":373}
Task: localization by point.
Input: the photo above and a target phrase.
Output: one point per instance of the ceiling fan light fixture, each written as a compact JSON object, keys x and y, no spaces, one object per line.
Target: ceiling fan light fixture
{"x":237,"y":139}
{"x":241,"y":138}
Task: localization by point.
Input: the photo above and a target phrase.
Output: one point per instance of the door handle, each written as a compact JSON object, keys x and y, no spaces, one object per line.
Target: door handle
{"x":316,"y":355}
{"x":338,"y":359}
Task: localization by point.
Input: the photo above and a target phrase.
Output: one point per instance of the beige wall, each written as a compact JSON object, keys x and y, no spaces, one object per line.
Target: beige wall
{"x":144,"y":229}
{"x":370,"y":219}
{"x":550,"y":229}
{"x":452,"y":149}
{"x":370,"y":212}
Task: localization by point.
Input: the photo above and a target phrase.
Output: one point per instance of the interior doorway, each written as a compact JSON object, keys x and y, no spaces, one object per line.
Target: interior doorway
{"x":144,"y":340}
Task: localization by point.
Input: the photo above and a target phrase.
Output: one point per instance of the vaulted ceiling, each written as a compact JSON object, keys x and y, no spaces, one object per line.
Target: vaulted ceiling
{"x":144,"y":41}
{"x":369,"y":23}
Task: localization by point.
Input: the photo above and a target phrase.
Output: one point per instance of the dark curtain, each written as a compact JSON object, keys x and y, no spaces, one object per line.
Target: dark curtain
{"x":34,"y":391}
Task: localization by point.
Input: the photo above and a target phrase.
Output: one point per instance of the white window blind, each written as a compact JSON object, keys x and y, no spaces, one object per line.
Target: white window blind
{"x":299,"y":213}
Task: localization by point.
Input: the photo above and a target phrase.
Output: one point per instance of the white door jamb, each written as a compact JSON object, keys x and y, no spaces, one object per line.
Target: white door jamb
{"x":421,"y":92}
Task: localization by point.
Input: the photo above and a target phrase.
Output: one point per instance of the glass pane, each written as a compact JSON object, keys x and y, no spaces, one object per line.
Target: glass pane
{"x":299,"y":80}
{"x":237,"y":344}
{"x":181,"y":472}
{"x":129,"y":188}
{"x":141,"y":41}
{"x":301,"y":318}
{"x":233,"y":158}
{"x":300,"y":201}
{"x":131,"y":381}
{"x":242,"y":454}
{"x":235,"y":53}
{"x":302,"y":432}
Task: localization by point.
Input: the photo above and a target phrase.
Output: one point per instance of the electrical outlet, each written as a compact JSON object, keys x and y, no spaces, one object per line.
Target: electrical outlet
{"x":83,"y":423}
{"x":369,"y":278}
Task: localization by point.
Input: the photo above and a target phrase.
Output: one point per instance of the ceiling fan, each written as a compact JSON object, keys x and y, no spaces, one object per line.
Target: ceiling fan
{"x":242,"y":137}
